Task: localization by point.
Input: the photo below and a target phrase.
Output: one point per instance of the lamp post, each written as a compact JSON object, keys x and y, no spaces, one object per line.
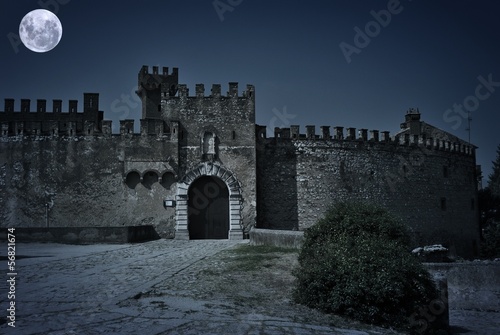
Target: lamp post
{"x":47,"y":214}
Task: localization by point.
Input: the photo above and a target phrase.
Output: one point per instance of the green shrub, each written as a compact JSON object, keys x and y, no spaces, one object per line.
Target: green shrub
{"x":356,"y":262}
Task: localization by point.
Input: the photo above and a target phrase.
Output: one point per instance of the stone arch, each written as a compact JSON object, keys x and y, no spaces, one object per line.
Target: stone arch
{"x":235,"y":198}
{"x":132,"y":178}
{"x":149,"y":177}
{"x":167,"y":179}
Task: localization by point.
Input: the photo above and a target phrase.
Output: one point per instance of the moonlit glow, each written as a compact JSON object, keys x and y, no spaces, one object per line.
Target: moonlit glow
{"x":40,"y":30}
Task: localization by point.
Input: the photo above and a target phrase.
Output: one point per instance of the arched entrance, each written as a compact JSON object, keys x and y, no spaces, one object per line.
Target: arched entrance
{"x":221,"y":175}
{"x":208,"y":209}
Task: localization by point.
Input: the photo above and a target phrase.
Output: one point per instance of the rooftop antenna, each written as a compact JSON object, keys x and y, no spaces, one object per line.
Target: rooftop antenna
{"x":469,"y":119}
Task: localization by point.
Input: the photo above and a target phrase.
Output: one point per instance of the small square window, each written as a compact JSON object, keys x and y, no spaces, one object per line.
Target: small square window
{"x":445,"y":171}
{"x":443,"y":204}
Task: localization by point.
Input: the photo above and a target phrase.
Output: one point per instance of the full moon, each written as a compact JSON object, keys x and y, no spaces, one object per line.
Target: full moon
{"x":40,"y":30}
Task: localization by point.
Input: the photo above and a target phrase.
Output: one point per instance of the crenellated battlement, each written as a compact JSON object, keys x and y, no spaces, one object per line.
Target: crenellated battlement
{"x":90,"y":105}
{"x":53,"y":130}
{"x":145,"y":70}
{"x":441,"y":140}
{"x":215,"y":92}
{"x":59,"y":122}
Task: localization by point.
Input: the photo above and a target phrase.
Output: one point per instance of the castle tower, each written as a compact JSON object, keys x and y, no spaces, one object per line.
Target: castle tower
{"x":151,"y":88}
{"x":412,"y":121}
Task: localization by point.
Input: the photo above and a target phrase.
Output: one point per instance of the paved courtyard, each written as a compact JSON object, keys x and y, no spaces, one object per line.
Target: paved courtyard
{"x":103,"y":289}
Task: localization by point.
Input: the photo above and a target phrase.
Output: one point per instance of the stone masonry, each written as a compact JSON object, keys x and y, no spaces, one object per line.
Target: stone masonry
{"x":201,"y":168}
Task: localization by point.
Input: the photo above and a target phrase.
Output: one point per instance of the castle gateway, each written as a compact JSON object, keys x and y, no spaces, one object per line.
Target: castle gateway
{"x":200,"y":168}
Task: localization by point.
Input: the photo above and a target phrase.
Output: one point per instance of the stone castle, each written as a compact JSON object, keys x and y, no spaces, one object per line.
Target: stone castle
{"x":201,"y":168}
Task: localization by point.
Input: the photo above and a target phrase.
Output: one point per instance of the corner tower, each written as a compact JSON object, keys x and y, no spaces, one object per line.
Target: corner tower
{"x":152,"y":86}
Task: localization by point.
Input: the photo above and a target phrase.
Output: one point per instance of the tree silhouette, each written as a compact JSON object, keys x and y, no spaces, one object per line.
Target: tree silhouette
{"x":494,"y":177}
{"x":489,"y":208}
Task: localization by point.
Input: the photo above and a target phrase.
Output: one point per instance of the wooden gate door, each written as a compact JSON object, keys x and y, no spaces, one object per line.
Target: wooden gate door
{"x":208,"y":209}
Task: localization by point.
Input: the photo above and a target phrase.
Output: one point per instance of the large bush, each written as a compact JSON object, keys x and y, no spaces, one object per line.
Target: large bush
{"x":356,"y":262}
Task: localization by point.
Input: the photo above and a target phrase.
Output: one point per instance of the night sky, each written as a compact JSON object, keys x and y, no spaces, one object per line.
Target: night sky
{"x":338,"y":63}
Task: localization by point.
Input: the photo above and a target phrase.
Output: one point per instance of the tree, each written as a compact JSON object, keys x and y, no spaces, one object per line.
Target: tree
{"x":489,"y":208}
{"x":494,"y":177}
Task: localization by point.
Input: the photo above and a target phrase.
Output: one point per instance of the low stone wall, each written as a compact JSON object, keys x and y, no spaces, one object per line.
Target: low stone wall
{"x":84,"y":235}
{"x":471,"y":285}
{"x":278,"y":238}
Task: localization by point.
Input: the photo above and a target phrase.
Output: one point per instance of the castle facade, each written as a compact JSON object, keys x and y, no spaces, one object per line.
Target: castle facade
{"x":201,"y":168}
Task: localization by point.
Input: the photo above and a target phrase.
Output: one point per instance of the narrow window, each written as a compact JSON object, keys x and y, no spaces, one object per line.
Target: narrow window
{"x":234,"y":135}
{"x":472,"y":204}
{"x":445,"y":171}
{"x":443,"y":204}
{"x":90,"y":102}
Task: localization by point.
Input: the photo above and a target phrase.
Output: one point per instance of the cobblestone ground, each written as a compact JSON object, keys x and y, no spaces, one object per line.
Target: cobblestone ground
{"x":162,"y":287}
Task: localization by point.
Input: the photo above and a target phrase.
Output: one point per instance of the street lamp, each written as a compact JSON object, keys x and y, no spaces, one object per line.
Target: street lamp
{"x":47,"y":214}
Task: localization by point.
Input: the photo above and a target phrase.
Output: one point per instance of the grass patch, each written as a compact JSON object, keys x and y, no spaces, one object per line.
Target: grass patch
{"x":249,"y":262}
{"x":261,"y":249}
{"x":250,"y":258}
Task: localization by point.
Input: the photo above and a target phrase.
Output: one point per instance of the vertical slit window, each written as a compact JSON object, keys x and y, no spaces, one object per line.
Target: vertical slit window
{"x":443,"y":204}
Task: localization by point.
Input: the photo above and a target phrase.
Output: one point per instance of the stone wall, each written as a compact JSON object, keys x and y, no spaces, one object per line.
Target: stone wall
{"x":89,"y":177}
{"x":98,"y":179}
{"x":471,"y":285}
{"x":84,"y":181}
{"x":431,"y":189}
{"x":277,"y":193}
{"x":278,"y":238}
{"x":84,"y":235}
